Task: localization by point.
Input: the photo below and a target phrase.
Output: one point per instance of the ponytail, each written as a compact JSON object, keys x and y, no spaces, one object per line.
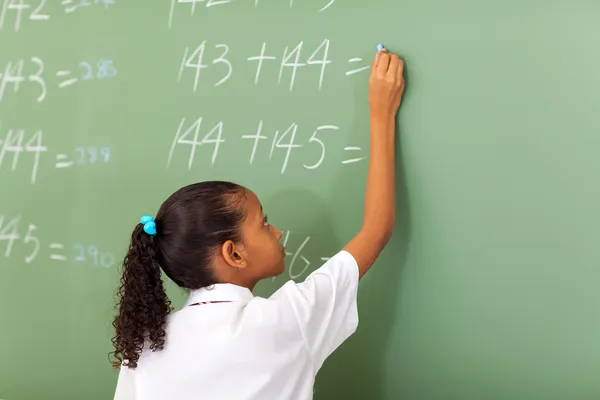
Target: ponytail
{"x":189,"y":226}
{"x":142,"y":302}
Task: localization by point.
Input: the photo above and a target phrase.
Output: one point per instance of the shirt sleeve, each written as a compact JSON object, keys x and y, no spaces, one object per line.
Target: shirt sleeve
{"x":325,"y":305}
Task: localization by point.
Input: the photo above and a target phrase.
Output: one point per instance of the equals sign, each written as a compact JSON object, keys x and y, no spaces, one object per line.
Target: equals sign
{"x":62,"y":164}
{"x":55,"y":256}
{"x":65,"y":75}
{"x":352,"y":160}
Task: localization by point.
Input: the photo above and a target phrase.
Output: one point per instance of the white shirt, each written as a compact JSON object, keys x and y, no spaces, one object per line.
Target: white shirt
{"x":252,"y":348}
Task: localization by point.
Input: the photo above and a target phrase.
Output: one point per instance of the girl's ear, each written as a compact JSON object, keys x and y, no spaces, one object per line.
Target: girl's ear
{"x":233,"y":255}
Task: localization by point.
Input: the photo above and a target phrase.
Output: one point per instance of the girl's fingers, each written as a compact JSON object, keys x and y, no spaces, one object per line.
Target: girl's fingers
{"x":375,"y":62}
{"x":384,"y":62}
{"x":400,"y":69}
{"x":393,"y":65}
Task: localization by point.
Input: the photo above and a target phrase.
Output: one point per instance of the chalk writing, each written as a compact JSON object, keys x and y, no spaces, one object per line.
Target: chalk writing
{"x":297,"y":254}
{"x":294,"y":61}
{"x":297,"y":264}
{"x":194,"y":60}
{"x":15,"y":142}
{"x":214,"y":137}
{"x":283,"y":143}
{"x":91,"y":254}
{"x":12,"y":234}
{"x":80,"y":253}
{"x":103,"y":69}
{"x":18,"y":9}
{"x":14,"y":12}
{"x":72,"y":5}
{"x":83,"y":156}
{"x":33,"y":72}
{"x":18,"y":143}
{"x":321,"y":6}
{"x":357,"y":70}
{"x":352,"y":160}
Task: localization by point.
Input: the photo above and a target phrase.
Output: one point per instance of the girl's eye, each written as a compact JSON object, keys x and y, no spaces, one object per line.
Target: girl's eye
{"x":266,"y":220}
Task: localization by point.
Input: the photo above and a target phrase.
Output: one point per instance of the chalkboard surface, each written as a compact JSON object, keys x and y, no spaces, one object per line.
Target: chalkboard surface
{"x":489,"y":287}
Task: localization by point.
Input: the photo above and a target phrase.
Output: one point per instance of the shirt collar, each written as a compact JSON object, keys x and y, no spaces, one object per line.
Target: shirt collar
{"x":220,"y":292}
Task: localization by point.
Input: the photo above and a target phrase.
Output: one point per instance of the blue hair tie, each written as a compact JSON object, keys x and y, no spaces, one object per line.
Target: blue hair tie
{"x":149,"y":224}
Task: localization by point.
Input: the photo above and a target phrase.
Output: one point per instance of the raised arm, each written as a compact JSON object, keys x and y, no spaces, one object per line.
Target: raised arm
{"x":386,"y":86}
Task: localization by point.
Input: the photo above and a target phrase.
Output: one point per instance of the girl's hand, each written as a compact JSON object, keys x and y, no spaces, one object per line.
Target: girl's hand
{"x":386,"y":85}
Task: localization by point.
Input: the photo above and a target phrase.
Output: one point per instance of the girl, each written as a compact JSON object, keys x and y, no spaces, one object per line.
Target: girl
{"x":213,"y":239}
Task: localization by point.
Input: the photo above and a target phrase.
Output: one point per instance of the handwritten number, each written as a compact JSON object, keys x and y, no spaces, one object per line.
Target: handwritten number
{"x":37,"y":78}
{"x":105,"y":69}
{"x":34,"y":145}
{"x":107,"y":260}
{"x":182,"y":138}
{"x":36,"y":16}
{"x":111,"y":70}
{"x":196,"y":56}
{"x":314,"y":138}
{"x":93,"y":251}
{"x":101,"y":69}
{"x":81,"y":256}
{"x":295,"y":256}
{"x":81,"y":151}
{"x":105,"y":153}
{"x":93,"y":154}
{"x":9,"y":232}
{"x":294,"y":65}
{"x":222,"y":60}
{"x":36,"y":243}
{"x":277,"y":142}
{"x":324,"y":61}
{"x":18,"y":6}
{"x":194,"y":61}
{"x":88,"y":75}
{"x":12,"y":74}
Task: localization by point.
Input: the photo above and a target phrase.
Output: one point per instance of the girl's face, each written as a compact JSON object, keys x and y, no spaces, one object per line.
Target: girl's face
{"x":263,"y":251}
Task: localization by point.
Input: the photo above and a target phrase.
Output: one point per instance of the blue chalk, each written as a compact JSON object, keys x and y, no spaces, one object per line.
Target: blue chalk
{"x":379,"y":47}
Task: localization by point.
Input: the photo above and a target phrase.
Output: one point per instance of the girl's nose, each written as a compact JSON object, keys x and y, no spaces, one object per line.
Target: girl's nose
{"x":278,"y":233}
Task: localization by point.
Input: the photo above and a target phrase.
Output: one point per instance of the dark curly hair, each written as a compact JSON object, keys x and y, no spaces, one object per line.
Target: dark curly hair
{"x":190,"y":225}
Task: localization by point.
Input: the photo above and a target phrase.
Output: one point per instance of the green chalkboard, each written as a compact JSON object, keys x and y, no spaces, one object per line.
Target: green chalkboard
{"x":489,"y":288}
